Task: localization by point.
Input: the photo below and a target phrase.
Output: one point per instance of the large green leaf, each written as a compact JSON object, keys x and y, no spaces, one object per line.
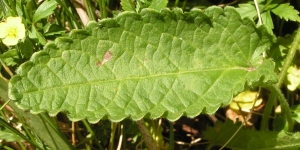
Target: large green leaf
{"x":149,"y":64}
{"x":246,"y":139}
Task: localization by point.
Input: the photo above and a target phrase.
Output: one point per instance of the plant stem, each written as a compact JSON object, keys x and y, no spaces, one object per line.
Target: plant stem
{"x":282,"y":75}
{"x":16,"y":132}
{"x":88,"y":127}
{"x":284,"y":105}
{"x":171,"y":137}
{"x":112,"y":135}
{"x":6,"y":68}
{"x":120,"y":138}
{"x":176,"y":3}
{"x":267,"y":111}
{"x":240,"y":127}
{"x":289,"y":58}
{"x":89,"y":9}
{"x":258,"y":12}
{"x":103,"y":11}
{"x":150,"y":142}
{"x":69,"y":13}
{"x":3,"y":7}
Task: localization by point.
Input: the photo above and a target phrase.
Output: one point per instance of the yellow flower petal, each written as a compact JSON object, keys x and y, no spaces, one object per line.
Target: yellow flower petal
{"x":245,"y":101}
{"x":13,"y":20}
{"x":10,"y":41}
{"x":3,"y":30}
{"x":21,"y":31}
{"x":293,"y":82}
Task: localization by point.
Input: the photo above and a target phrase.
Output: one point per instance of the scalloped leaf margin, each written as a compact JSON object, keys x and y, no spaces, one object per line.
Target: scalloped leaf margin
{"x":152,"y":64}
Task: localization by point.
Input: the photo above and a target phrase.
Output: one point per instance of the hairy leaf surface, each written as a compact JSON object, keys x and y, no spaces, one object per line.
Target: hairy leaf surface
{"x":248,"y":139}
{"x":150,"y":64}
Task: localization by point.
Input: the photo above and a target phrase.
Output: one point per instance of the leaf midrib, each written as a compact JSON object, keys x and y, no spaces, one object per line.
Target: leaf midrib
{"x":140,"y":78}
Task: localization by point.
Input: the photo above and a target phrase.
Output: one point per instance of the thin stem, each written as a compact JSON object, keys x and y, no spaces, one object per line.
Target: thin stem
{"x":289,"y":58}
{"x":284,"y":105}
{"x":244,"y":122}
{"x":171,"y":137}
{"x":28,"y":133}
{"x":282,"y":75}
{"x":258,"y":12}
{"x":120,"y":138}
{"x":89,"y":9}
{"x":240,"y":127}
{"x":73,"y":134}
{"x":150,"y":142}
{"x":2,"y":77}
{"x":16,"y":132}
{"x":46,"y":118}
{"x":12,"y":4}
{"x":176,"y":3}
{"x":3,"y":7}
{"x":21,"y":144}
{"x":4,"y":104}
{"x":112,"y":135}
{"x":104,"y":9}
{"x":90,"y":130}
{"x":184,"y":4}
{"x":6,"y":68}
{"x":267,"y":111}
{"x":69,"y":13}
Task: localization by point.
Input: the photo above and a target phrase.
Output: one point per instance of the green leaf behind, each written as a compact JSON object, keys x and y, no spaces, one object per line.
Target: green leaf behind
{"x":127,"y":5}
{"x":7,"y":135}
{"x":150,"y":64}
{"x":286,"y":12}
{"x":44,"y":10}
{"x":158,"y":4}
{"x":248,"y":139}
{"x":247,"y":10}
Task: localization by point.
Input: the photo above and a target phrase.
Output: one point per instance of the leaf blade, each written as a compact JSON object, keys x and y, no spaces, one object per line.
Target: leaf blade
{"x":289,"y":12}
{"x":119,"y":69}
{"x":44,"y":10}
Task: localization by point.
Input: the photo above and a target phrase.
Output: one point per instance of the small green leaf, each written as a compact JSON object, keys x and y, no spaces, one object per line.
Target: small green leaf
{"x":247,"y":10}
{"x":44,"y":10}
{"x":36,"y":34}
{"x":54,"y":29}
{"x":279,"y":50}
{"x":10,"y":57}
{"x":286,"y":12}
{"x":8,"y":135}
{"x":26,"y":48}
{"x":248,"y":139}
{"x":267,"y":19}
{"x":150,"y":64}
{"x":296,"y":113}
{"x":158,"y":4}
{"x":127,"y":5}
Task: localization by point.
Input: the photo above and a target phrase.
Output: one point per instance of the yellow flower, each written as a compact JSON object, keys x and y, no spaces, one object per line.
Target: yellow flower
{"x":245,"y":100}
{"x":12,"y":30}
{"x":293,"y":78}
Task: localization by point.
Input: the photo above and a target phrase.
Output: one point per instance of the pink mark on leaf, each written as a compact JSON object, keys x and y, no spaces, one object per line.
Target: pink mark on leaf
{"x":107,"y":56}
